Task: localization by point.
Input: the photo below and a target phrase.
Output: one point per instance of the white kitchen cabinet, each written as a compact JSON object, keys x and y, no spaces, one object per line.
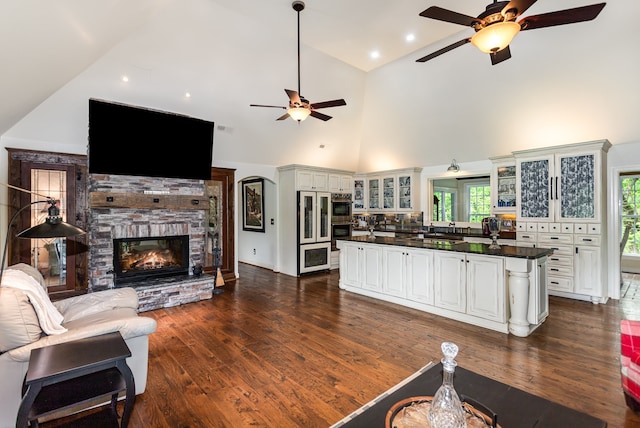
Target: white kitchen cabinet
{"x":315,"y":217}
{"x":588,"y":271}
{"x":393,"y":191}
{"x":374,"y":193}
{"x":362,"y":266}
{"x":309,"y":179}
{"x":394,"y":261}
{"x":559,"y":185}
{"x":359,"y":194}
{"x":503,"y":185}
{"x":408,"y":199}
{"x":486,"y":291}
{"x":561,"y":196}
{"x":389,"y":193}
{"x":449,"y":281}
{"x":560,"y":263}
{"x":294,"y":231}
{"x":471,"y":284}
{"x":419,"y":276}
{"x":340,"y":183}
{"x":407,"y":273}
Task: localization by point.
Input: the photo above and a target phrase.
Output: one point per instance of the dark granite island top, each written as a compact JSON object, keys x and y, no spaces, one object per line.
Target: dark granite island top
{"x":462,"y":247}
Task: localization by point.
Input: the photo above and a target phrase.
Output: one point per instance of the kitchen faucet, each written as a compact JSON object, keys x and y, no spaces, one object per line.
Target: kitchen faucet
{"x":452,"y":225}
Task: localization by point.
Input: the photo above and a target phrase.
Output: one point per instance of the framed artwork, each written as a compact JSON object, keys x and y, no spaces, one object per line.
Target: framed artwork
{"x":253,"y":205}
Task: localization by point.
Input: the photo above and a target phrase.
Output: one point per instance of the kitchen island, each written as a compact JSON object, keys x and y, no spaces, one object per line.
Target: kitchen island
{"x":500,"y":289}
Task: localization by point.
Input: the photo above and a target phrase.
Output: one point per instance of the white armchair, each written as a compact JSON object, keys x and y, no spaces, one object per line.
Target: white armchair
{"x":84,"y":316}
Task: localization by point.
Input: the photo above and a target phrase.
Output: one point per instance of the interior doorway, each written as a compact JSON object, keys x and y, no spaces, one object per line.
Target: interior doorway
{"x":629,"y":202}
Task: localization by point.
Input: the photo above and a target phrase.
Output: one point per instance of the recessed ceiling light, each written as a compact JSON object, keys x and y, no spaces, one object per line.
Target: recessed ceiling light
{"x":125,"y":78}
{"x":187,"y":94}
{"x":375,"y":54}
{"x":410,"y":37}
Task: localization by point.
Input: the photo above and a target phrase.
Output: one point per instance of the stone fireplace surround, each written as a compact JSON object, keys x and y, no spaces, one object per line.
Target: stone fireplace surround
{"x":108,"y":223}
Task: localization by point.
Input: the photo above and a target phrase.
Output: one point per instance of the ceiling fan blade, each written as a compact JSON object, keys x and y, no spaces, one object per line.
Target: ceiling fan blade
{"x":561,"y":17}
{"x":520,"y":6}
{"x":444,"y":50}
{"x":320,"y":116}
{"x":283,"y":117}
{"x":325,"y":104}
{"x":262,"y":105}
{"x":293,"y":96}
{"x":435,"y":12}
{"x":501,"y":55}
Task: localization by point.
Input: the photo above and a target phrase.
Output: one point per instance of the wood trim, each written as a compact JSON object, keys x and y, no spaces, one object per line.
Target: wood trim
{"x":147,"y":201}
{"x":227,"y":177}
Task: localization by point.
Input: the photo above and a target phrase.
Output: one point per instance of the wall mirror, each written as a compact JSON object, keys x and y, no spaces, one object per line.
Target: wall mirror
{"x":460,"y":199}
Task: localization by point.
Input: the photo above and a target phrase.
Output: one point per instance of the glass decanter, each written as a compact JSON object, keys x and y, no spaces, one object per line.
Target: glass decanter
{"x":446,"y":409}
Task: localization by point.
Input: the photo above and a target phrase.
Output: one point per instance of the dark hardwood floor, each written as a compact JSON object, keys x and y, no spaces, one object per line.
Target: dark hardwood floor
{"x":277,"y":351}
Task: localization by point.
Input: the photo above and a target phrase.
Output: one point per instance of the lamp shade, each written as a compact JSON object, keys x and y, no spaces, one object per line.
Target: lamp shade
{"x":51,"y":230}
{"x":299,"y":113}
{"x":53,"y":227}
{"x":495,"y":37}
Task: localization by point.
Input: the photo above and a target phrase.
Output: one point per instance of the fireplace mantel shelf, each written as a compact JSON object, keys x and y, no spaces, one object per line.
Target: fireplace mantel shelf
{"x":148,"y":201}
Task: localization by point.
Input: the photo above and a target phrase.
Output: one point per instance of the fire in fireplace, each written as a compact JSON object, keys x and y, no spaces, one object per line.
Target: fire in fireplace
{"x":137,"y":259}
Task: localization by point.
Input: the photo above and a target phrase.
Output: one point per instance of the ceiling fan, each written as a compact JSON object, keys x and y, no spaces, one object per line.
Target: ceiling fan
{"x":496,"y":26}
{"x":300,"y":108}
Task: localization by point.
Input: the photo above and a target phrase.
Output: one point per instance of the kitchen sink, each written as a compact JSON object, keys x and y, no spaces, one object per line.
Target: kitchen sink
{"x":442,"y":241}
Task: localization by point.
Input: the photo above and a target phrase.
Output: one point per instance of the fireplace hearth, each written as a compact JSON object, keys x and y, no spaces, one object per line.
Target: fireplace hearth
{"x":141,"y":259}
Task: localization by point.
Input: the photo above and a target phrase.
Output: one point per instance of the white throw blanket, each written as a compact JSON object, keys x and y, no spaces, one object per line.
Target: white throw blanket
{"x":49,"y":317}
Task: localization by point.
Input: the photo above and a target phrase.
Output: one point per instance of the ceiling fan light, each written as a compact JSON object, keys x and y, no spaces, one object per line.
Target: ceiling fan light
{"x":495,"y":37}
{"x":298,"y":113}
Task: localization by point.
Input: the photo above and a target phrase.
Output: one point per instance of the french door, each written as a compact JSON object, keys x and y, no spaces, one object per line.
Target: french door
{"x":61,"y":261}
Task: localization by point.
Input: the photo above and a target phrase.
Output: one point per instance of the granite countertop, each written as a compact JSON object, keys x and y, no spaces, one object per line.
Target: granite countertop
{"x":421,"y":229}
{"x":461,"y":247}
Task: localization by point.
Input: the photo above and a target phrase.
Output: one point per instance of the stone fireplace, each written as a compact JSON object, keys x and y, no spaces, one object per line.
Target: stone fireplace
{"x":134,"y":209}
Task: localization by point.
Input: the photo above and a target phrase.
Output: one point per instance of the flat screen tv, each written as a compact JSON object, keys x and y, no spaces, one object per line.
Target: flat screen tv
{"x":130,"y":140}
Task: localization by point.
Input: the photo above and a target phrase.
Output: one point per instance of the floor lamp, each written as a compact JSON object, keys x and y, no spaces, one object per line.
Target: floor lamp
{"x":53,"y":227}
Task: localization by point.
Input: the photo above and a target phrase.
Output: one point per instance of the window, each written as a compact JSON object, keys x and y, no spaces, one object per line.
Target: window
{"x":479,"y":202}
{"x":630,"y":188}
{"x":444,"y":202}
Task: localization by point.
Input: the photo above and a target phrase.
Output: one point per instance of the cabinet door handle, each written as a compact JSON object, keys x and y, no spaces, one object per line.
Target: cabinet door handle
{"x":550,"y":188}
{"x":557,"y":187}
{"x":587,"y":239}
{"x":554,"y":237}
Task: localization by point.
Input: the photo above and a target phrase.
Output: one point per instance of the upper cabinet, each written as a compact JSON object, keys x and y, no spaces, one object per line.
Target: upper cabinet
{"x":359,"y":201}
{"x":340,"y":183}
{"x":503,"y":185}
{"x":388,"y":191}
{"x":309,"y":179}
{"x":321,"y":179}
{"x":561,"y":184}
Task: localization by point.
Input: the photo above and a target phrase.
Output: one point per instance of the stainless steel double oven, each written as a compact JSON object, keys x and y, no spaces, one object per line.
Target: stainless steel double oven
{"x":340,"y":217}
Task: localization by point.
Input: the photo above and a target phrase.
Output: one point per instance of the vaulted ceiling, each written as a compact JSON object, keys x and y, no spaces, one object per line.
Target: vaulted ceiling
{"x":229,"y":53}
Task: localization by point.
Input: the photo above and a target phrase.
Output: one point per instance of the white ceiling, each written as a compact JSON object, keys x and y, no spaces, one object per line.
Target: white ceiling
{"x":571,"y":83}
{"x":64,"y":37}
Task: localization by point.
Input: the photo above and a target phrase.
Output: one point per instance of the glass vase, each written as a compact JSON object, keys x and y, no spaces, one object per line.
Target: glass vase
{"x":446,"y":409}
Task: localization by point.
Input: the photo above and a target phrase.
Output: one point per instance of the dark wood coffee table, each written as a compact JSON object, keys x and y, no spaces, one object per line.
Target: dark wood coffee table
{"x":515,"y":408}
{"x":65,"y":375}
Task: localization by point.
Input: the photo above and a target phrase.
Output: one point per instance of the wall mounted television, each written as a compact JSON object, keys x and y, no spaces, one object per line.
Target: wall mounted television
{"x":131,"y":140}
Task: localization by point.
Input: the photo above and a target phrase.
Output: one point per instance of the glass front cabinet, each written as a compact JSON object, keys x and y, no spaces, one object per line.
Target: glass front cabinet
{"x":503,"y":185}
{"x":359,"y":198}
{"x":559,"y":187}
